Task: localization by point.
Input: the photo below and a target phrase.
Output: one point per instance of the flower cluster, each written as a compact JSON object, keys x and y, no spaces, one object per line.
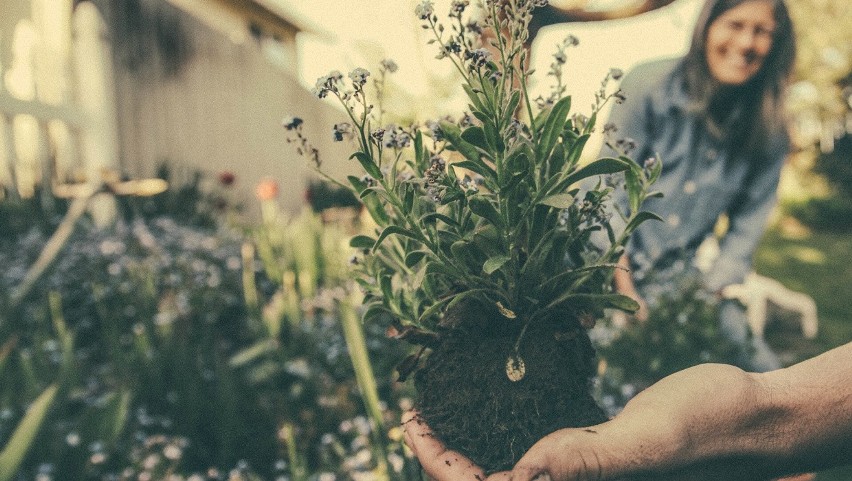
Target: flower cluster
{"x":342,"y":130}
{"x":293,"y":125}
{"x":327,"y":83}
{"x":395,"y":137}
{"x":434,"y":176}
{"x":560,"y":57}
{"x":603,"y":94}
{"x":359,"y":77}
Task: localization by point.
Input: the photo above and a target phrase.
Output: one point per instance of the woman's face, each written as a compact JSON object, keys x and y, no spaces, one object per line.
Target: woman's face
{"x":739,"y":40}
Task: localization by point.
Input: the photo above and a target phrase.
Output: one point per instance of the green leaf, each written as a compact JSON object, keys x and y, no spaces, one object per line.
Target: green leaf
{"x":433,"y":309}
{"x":413,"y":257}
{"x":606,"y":165}
{"x":366,"y":192}
{"x":408,"y":199}
{"x":106,"y":420}
{"x":492,"y":136}
{"x":512,"y":182}
{"x":590,"y":125}
{"x":478,"y":167}
{"x":466,"y":294}
{"x":362,"y":242}
{"x":431,"y":217}
{"x":21,"y":440}
{"x":656,"y":170}
{"x":571,"y":274}
{"x":494,"y":263}
{"x":633,"y":185}
{"x":474,"y":97}
{"x":368,"y":164}
{"x":552,"y":127}
{"x":394,"y":229}
{"x":419,"y":276}
{"x":640,"y":218}
{"x":386,"y":285}
{"x":453,"y":134}
{"x":418,"y":148}
{"x":482,"y":207}
{"x":249,"y":354}
{"x":475,"y":136}
{"x":372,"y":203}
{"x":357,"y":184}
{"x":576,"y":150}
{"x":540,"y":119}
{"x":560,"y":201}
{"x":481,"y":116}
{"x":514,"y":100}
{"x":615,"y":301}
{"x":375,"y":310}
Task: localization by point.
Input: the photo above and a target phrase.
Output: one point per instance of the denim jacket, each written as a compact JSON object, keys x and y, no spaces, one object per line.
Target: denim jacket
{"x":702,"y":178}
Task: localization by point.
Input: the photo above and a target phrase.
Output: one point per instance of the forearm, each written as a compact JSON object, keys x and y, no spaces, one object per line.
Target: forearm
{"x":788,"y":421}
{"x":621,"y":279}
{"x":810,"y":405}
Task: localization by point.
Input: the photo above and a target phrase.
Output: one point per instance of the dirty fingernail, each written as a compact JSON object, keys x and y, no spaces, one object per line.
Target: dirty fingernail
{"x":542,"y":477}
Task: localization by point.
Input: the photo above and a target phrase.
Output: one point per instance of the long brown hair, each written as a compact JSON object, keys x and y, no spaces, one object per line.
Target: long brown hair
{"x":760,"y":100}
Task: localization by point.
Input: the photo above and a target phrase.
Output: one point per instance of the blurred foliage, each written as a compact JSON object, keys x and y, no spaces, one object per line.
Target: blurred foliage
{"x":681,"y":331}
{"x":833,"y":211}
{"x":187,"y":203}
{"x":20,"y":216}
{"x":198,"y":350}
{"x":820,"y":97}
{"x":322,"y":195}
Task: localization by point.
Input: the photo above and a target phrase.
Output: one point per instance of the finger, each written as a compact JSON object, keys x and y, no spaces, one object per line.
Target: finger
{"x":567,"y":454}
{"x":501,"y":476}
{"x":437,"y":461}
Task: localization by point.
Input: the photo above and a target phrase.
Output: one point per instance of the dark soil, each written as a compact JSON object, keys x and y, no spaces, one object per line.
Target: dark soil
{"x":465,"y":396}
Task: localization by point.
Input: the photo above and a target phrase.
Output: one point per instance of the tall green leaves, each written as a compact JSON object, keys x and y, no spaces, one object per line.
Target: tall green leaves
{"x":22,"y":438}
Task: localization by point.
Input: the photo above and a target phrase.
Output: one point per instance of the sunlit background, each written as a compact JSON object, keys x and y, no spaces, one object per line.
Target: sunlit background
{"x":369,"y":31}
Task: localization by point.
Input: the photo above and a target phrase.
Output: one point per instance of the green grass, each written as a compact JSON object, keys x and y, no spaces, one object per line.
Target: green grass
{"x":818,"y":264}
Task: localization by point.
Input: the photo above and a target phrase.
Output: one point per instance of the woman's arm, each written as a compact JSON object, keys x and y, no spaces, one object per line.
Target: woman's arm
{"x":747,"y":221}
{"x":622,"y":280}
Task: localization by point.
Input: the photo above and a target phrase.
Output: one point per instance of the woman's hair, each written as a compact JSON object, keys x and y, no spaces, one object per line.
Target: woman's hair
{"x":760,"y":100}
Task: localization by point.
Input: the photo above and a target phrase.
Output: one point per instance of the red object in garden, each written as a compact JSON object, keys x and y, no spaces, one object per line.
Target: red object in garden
{"x":227,"y":178}
{"x":267,"y":189}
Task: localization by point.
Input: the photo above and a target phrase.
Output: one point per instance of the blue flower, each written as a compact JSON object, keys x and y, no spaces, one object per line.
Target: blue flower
{"x":389,"y":65}
{"x":291,"y":123}
{"x":359,"y":77}
{"x":424,"y":10}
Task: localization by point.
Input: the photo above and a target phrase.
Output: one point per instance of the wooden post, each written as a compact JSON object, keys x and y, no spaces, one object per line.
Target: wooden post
{"x":10,"y":178}
{"x":96,"y":98}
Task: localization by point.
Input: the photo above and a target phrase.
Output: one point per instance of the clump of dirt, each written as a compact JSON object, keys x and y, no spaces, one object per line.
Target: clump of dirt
{"x":465,"y":396}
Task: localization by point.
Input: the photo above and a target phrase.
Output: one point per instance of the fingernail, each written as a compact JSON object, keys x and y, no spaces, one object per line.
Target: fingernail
{"x":542,"y":477}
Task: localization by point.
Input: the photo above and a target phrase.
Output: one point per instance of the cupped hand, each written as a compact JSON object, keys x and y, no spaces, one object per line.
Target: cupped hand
{"x":440,"y":463}
{"x":681,"y":428}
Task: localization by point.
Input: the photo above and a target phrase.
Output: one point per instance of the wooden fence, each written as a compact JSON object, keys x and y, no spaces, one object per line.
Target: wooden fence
{"x":218,"y":109}
{"x":54,"y":101}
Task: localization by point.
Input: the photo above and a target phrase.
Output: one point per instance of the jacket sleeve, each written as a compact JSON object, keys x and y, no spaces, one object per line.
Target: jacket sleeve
{"x":748,"y":219}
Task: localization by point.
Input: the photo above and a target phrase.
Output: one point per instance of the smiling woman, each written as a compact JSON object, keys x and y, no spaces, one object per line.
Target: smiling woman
{"x":715,"y":118}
